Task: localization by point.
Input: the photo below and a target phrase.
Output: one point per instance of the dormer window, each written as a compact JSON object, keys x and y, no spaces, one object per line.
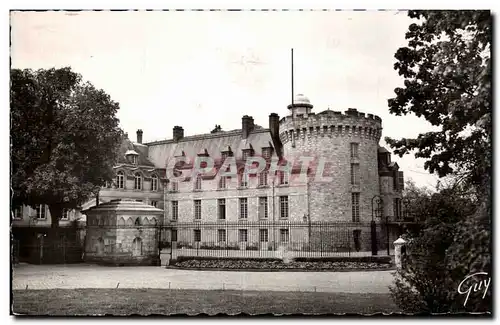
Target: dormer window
{"x":226,"y":152}
{"x":247,"y":153}
{"x":266,"y":153}
{"x":132,"y":156}
{"x":203,"y":153}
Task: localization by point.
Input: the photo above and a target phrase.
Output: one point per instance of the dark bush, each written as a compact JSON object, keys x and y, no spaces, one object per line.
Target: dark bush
{"x":453,"y":243}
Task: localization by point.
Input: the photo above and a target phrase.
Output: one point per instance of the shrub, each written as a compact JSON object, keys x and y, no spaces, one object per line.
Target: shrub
{"x":452,"y":244}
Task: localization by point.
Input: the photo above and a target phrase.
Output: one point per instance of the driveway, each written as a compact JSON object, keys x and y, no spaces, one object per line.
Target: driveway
{"x":93,"y":276}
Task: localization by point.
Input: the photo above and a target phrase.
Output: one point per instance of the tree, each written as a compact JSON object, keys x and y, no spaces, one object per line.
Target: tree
{"x":447,"y":72}
{"x":64,"y":139}
{"x":434,"y":268}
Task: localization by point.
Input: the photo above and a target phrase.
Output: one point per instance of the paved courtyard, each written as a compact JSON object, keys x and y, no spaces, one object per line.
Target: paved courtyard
{"x":93,"y":276}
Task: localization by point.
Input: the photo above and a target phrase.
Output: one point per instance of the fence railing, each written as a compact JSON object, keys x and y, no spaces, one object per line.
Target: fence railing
{"x":272,"y":239}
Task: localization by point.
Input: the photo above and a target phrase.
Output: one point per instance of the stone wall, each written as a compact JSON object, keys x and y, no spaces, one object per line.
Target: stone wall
{"x":328,"y":137}
{"x":123,"y":239}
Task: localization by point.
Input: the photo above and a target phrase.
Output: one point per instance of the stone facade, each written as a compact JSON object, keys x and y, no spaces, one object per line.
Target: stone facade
{"x":123,"y":232}
{"x":345,"y":143}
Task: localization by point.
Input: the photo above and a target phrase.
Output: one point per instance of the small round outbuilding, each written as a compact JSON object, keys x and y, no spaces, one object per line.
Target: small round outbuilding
{"x":123,"y":232}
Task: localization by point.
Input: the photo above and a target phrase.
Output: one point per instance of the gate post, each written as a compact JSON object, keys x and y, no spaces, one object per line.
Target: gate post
{"x":374,"y":238}
{"x":398,"y":244}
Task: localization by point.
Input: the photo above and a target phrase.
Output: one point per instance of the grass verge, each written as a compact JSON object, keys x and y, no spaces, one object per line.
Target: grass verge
{"x":193,"y":302}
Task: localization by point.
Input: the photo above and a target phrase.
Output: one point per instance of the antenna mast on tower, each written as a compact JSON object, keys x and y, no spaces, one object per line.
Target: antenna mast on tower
{"x":292,"y":79}
{"x":293,"y":118}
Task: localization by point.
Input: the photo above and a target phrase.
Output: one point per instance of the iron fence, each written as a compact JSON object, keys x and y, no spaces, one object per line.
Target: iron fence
{"x":275,"y":239}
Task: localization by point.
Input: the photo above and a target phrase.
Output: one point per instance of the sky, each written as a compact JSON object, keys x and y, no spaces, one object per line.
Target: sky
{"x":199,"y":69}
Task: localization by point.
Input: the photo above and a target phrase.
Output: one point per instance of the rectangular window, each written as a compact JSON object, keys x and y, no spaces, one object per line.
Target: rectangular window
{"x":284,"y":235}
{"x":40,"y":211}
{"x":65,"y":214}
{"x":175,"y":187}
{"x":243,"y":179}
{"x":263,"y":178}
{"x":175,"y":210}
{"x":222,"y":182}
{"x":283,"y":177}
{"x":197,"y":209}
{"x":197,"y":235}
{"x":266,"y":153}
{"x":354,"y":150}
{"x":174,"y":234}
{"x":354,"y":174}
{"x":283,"y":206}
{"x":401,"y":181}
{"x":221,"y":203}
{"x":154,"y":183}
{"x":355,"y":207}
{"x":263,"y":209}
{"x":263,"y":235}
{"x":397,"y":208}
{"x":243,"y":208}
{"x":154,"y":203}
{"x":246,"y":153}
{"x":221,"y":235}
{"x":138,"y":200}
{"x":243,"y":235}
{"x":197,"y":183}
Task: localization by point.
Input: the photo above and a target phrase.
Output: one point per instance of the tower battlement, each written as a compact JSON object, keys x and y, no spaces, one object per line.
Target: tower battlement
{"x":331,"y":123}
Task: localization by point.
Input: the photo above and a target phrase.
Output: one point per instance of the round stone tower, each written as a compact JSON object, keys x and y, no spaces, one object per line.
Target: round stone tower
{"x":347,"y":144}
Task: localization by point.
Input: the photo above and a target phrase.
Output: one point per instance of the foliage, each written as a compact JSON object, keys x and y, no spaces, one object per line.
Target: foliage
{"x":450,"y":245}
{"x":64,"y":139}
{"x":447,"y":71}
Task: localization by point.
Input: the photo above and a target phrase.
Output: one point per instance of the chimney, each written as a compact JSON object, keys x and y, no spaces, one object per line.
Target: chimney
{"x":178,"y":133}
{"x":274,"y":123}
{"x":274,"y":129}
{"x":139,"y":136}
{"x":252,"y":125}
{"x":246,"y":123}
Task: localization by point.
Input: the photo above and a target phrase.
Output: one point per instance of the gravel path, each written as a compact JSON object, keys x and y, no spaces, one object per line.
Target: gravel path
{"x":93,"y":276}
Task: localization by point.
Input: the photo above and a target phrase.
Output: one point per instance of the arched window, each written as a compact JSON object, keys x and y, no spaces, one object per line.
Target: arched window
{"x":138,"y":181}
{"x":138,"y":221}
{"x":137,"y":247}
{"x":119,"y":179}
{"x":100,"y":246}
{"x":154,"y":183}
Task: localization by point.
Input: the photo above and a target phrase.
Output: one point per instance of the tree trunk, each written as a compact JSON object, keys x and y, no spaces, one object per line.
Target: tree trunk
{"x":55,"y":215}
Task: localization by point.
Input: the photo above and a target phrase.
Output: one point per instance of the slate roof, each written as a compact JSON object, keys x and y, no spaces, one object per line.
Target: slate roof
{"x":142,"y":150}
{"x":161,"y":152}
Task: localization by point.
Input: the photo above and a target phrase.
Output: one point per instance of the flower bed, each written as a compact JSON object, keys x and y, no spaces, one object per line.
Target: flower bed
{"x":277,"y":264}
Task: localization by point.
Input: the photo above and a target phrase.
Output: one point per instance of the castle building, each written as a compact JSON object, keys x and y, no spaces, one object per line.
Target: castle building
{"x":336,"y":173}
{"x":345,"y":144}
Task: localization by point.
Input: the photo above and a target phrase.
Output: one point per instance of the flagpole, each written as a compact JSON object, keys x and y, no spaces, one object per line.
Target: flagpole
{"x":292,"y":81}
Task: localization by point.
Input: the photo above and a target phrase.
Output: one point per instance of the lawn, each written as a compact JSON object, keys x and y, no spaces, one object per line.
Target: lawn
{"x":192,"y":302}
